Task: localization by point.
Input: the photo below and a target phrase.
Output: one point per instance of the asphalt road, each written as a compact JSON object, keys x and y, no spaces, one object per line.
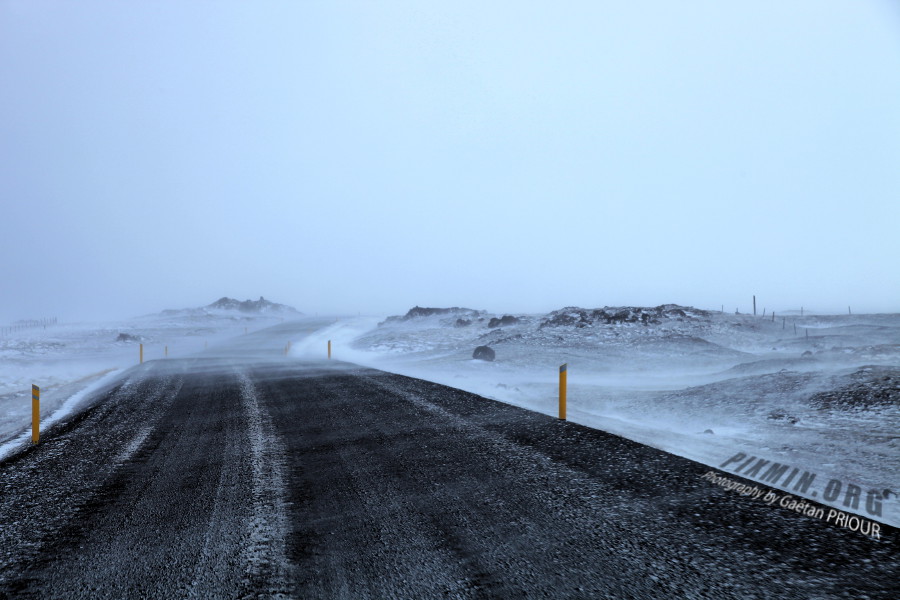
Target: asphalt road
{"x":219,"y":477}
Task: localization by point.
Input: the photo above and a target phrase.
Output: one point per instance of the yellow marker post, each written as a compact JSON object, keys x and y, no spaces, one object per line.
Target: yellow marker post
{"x":329,"y":349}
{"x":562,"y":391}
{"x":142,"y":353}
{"x":35,"y":414}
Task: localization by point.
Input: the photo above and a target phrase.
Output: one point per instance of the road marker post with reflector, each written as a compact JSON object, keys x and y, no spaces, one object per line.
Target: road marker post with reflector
{"x":329,"y":349}
{"x":142,"y":354}
{"x":35,"y":414}
{"x":562,"y":391}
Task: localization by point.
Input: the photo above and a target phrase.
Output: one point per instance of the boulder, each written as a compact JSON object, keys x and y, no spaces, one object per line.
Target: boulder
{"x":502,"y":321}
{"x":483,"y":353}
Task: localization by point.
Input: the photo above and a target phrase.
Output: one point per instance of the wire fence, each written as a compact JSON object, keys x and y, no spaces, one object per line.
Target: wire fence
{"x":28,"y":324}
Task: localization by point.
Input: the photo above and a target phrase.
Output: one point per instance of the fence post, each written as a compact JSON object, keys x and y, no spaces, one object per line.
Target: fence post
{"x":329,"y":349}
{"x":35,"y":414}
{"x":562,"y":391}
{"x":142,"y":353}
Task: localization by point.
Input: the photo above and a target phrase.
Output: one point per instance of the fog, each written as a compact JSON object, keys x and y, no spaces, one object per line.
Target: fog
{"x":520,"y":157}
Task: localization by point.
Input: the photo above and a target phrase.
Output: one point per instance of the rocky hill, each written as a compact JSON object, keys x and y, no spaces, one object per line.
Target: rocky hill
{"x":252,"y":306}
{"x":257,"y":307}
{"x":418,"y":312}
{"x":581,"y":317}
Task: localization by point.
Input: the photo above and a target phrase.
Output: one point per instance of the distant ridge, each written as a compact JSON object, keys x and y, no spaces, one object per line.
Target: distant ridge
{"x":254,"y":306}
{"x":261,"y":306}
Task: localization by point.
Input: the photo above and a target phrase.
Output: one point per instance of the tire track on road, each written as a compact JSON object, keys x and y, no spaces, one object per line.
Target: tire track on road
{"x":139,"y":534}
{"x":192,"y":503}
{"x":46,"y":486}
{"x":354,"y":534}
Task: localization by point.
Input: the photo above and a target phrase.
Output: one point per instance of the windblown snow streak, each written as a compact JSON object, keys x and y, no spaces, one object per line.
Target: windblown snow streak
{"x":265,"y":552}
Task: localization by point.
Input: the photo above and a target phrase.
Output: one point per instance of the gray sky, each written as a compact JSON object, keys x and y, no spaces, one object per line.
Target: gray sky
{"x":512,"y":156}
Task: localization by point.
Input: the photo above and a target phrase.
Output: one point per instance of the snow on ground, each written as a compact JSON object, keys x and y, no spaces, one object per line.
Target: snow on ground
{"x":67,"y":360}
{"x":703,"y":385}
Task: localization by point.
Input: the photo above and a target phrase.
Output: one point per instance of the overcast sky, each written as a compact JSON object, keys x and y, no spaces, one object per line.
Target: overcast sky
{"x":509,"y":156}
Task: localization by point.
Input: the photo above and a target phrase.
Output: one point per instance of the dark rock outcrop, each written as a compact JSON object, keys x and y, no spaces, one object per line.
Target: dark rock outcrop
{"x":463,"y":323}
{"x":503,"y":321}
{"x":418,"y":312}
{"x":127,"y":337}
{"x":421,"y":311}
{"x":251,"y":306}
{"x":580,"y":317}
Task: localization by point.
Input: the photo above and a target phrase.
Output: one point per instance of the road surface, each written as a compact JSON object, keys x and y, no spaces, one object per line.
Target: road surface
{"x":244,"y":474}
